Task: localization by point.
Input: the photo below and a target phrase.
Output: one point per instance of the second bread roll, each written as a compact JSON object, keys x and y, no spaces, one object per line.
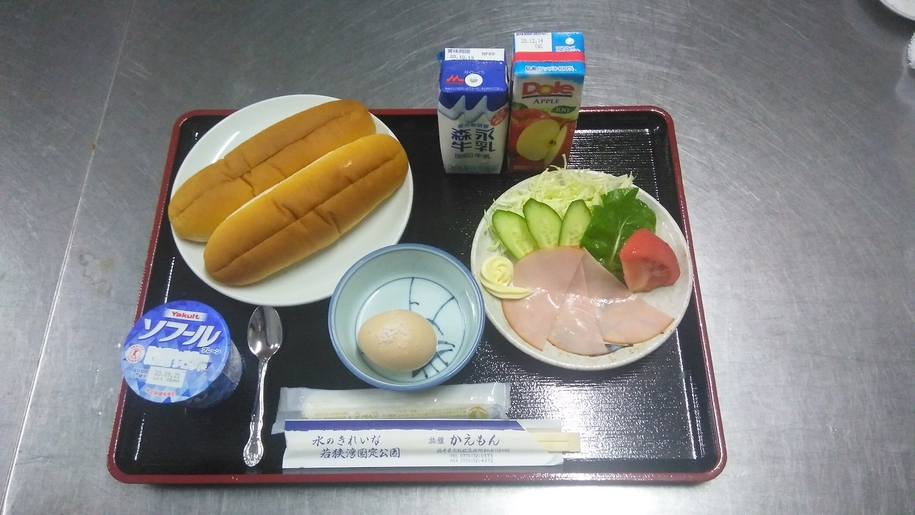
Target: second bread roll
{"x":257,"y":164}
{"x":306,"y":212}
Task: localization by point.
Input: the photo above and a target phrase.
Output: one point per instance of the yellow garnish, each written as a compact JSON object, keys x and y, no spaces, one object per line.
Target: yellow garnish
{"x":496,"y":275}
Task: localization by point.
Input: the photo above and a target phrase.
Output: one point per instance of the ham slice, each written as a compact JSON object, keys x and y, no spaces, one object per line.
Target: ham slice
{"x":622,"y":316}
{"x":575,"y":328}
{"x":548,"y":274}
{"x":577,"y":305}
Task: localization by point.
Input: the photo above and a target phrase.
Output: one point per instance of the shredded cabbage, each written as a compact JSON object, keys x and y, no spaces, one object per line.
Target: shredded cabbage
{"x":558,"y":187}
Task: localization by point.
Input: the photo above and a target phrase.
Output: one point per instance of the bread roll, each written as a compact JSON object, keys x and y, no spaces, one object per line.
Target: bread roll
{"x":306,"y":212}
{"x":262,"y":161}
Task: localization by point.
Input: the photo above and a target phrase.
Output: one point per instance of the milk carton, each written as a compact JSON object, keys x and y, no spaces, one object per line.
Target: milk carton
{"x":473,"y":109}
{"x":548,"y":72}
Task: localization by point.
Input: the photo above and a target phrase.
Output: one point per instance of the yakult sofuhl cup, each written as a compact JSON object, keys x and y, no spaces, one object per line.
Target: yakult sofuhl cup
{"x":181,"y":353}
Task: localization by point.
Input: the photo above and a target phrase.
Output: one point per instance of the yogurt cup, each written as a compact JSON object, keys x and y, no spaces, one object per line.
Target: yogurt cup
{"x":181,"y":353}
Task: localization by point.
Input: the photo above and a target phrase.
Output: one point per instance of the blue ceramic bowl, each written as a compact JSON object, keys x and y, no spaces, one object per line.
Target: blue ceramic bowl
{"x":419,"y":278}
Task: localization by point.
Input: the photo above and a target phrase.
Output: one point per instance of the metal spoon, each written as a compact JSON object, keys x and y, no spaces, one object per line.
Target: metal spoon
{"x":265,"y":334}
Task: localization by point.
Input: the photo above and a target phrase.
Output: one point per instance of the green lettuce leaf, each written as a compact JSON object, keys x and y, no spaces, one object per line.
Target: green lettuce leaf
{"x":612,"y":223}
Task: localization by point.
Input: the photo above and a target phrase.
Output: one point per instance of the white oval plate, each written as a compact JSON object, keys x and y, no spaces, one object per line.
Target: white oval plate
{"x":672,"y":300}
{"x":904,"y":8}
{"x":315,"y":277}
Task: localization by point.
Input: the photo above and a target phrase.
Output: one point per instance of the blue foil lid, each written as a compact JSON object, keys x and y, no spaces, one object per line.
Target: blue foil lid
{"x":176,"y":351}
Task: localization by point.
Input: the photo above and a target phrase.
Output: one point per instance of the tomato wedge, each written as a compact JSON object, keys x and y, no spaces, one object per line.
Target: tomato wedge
{"x":648,"y":262}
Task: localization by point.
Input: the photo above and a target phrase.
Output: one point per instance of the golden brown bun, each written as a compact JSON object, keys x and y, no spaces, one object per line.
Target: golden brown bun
{"x":306,"y":212}
{"x":264,"y":160}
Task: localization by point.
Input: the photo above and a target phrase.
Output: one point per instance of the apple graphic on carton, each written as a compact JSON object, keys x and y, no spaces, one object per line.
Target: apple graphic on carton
{"x":538,"y":137}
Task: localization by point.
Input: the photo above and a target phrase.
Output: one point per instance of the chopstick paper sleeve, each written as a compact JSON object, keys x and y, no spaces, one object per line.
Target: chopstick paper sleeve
{"x":425,"y":443}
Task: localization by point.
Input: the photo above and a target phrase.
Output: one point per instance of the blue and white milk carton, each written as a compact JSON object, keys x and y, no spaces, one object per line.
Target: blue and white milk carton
{"x":473,"y":109}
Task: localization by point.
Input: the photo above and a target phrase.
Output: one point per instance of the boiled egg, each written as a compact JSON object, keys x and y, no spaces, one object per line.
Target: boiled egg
{"x":398,"y":340}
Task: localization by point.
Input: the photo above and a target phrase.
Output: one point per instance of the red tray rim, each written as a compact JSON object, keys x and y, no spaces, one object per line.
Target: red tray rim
{"x":449,"y":476}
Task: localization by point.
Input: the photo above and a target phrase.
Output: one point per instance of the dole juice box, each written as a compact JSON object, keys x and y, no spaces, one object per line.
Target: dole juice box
{"x":473,"y":109}
{"x":548,"y":72}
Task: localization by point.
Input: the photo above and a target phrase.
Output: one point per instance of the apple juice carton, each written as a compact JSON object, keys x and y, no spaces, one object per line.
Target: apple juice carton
{"x":473,"y":109}
{"x":548,"y":72}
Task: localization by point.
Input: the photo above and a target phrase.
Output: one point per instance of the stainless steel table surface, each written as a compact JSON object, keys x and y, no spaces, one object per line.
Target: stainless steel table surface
{"x":796,"y":130}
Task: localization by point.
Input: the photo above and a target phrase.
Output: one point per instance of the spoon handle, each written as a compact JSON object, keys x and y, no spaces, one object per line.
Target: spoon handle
{"x":254,"y":449}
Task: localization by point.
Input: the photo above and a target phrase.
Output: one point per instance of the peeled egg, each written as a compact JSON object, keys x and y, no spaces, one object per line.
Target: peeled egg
{"x":398,"y":340}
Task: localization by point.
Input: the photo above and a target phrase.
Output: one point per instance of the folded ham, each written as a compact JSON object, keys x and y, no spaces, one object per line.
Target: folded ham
{"x":548,"y":275}
{"x":577,"y":305}
{"x":575,"y":328}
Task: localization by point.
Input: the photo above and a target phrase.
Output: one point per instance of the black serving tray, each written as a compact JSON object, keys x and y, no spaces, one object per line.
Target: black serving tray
{"x":654,"y":420}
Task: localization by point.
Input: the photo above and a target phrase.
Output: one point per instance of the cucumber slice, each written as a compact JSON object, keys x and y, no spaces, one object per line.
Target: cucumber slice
{"x":574,"y":223}
{"x":543,"y":222}
{"x":513,"y":233}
